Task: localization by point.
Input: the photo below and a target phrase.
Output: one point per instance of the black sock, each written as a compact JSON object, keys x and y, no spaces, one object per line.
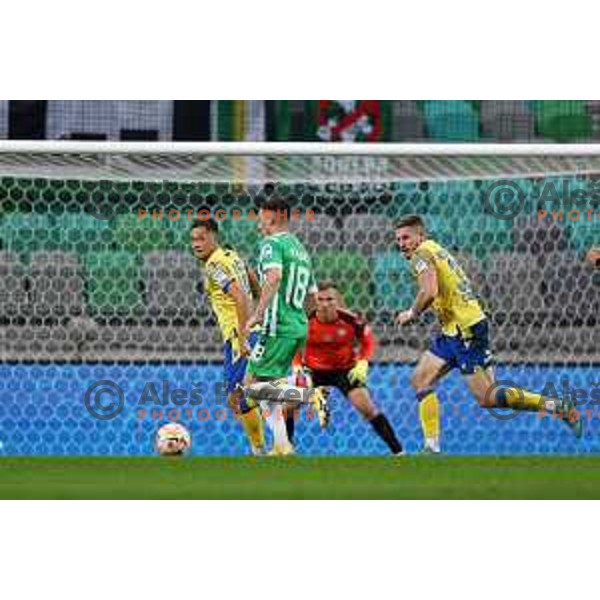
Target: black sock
{"x":290,"y":425}
{"x":384,"y":430}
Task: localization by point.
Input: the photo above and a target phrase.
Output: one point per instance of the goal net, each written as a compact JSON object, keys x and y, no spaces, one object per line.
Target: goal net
{"x":99,"y":284}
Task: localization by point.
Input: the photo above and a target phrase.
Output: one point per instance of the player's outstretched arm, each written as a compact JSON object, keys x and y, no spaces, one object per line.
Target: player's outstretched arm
{"x":242,"y":309}
{"x":428,"y":290}
{"x":254,"y":285}
{"x":270,"y":288}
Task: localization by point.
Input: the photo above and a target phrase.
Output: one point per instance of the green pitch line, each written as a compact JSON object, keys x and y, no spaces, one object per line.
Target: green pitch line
{"x":301,"y":477}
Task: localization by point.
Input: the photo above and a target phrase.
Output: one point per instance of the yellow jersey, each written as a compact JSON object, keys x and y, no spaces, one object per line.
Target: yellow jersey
{"x":222,"y":268}
{"x":456,"y":305}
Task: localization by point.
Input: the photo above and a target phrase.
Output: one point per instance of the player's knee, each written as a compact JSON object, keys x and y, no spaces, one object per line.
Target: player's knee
{"x":369,"y":412}
{"x":420,"y":382}
{"x":233,"y":400}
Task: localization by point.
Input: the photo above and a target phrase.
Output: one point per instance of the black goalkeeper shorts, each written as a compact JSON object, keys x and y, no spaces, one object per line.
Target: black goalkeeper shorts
{"x":338,"y":379}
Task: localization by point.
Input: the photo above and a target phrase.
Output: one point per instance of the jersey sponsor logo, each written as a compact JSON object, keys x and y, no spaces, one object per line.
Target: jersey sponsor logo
{"x":420,"y":265}
{"x":266,"y":253}
{"x":218,"y":275}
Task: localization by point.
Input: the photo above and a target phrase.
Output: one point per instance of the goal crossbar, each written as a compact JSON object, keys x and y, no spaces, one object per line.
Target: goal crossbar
{"x":295,"y":148}
{"x":256,"y":163}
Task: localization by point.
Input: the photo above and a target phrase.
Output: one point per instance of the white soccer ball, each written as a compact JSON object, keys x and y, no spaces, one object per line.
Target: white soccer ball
{"x":173,"y":439}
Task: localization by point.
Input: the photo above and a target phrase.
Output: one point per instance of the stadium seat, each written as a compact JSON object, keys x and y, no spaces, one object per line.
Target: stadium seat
{"x":14,"y":300}
{"x":451,"y":120}
{"x":511,"y":290}
{"x":471,"y":232}
{"x":172,"y":282}
{"x":393,"y":282}
{"x":407,"y":121}
{"x":351,"y":272}
{"x":243,"y":236}
{"x":564,"y":272}
{"x":25,"y":233}
{"x":4,"y":119}
{"x":57,"y":284}
{"x":507,"y":120}
{"x":108,"y":117}
{"x":80,"y":232}
{"x":368,"y":234}
{"x":113,"y":283}
{"x":563,"y":120}
{"x":322,"y":232}
{"x":133,"y":234}
{"x":532,"y":235}
{"x":179,"y":233}
{"x":584,"y":233}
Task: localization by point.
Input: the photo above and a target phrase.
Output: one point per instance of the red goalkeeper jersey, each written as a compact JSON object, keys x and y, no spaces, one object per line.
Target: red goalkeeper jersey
{"x":333,"y":346}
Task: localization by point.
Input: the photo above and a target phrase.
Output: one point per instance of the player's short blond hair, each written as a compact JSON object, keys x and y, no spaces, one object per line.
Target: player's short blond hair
{"x":411,"y":221}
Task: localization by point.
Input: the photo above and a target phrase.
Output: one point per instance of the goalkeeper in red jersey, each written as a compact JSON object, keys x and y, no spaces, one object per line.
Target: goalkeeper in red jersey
{"x":337,"y":353}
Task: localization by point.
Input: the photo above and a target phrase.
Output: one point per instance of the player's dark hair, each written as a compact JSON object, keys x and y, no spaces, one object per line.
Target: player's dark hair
{"x":326,"y":284}
{"x":209,"y":224}
{"x":411,"y":221}
{"x":278,"y":205}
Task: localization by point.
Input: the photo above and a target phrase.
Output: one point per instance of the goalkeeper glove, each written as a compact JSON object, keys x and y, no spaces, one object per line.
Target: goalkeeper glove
{"x":359,"y":372}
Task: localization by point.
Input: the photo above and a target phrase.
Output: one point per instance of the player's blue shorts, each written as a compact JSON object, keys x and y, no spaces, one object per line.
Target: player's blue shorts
{"x":468,"y":351}
{"x":235,"y":371}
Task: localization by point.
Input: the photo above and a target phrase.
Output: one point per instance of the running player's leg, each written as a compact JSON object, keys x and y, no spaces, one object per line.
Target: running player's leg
{"x":271,"y":362}
{"x":361,"y":400}
{"x":429,"y":370}
{"x":474,"y":360}
{"x":249,"y":416}
{"x":251,"y":420}
{"x":488,"y":393}
{"x":316,"y":388}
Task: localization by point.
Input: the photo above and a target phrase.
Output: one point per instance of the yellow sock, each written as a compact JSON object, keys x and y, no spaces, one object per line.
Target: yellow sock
{"x":253,"y":425}
{"x":523,"y":399}
{"x":429,"y":413}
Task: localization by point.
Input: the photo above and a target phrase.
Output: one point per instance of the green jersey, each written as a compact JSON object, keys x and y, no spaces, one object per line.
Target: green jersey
{"x":285,"y":315}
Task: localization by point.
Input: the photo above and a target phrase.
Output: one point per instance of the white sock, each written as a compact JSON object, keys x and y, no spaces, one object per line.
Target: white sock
{"x":275,"y":421}
{"x":433,"y":444}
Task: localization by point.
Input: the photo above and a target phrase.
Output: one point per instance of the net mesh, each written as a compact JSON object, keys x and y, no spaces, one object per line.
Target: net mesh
{"x":98,"y":284}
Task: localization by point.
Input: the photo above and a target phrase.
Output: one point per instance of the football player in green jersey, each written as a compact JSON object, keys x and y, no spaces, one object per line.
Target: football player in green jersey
{"x":287,"y":280}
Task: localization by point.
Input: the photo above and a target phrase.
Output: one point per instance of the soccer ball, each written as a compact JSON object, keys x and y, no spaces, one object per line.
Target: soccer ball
{"x":173,"y":439}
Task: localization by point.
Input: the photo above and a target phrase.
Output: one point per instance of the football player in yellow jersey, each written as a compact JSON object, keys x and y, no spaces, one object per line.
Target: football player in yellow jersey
{"x":463,"y":342}
{"x":228,"y":283}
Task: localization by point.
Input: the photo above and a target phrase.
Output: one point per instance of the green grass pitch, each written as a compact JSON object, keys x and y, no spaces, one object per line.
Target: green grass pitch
{"x":301,"y":477}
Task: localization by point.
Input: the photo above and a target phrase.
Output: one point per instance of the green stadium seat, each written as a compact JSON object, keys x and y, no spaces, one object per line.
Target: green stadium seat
{"x":474,"y":234}
{"x":178,"y":233}
{"x":351,"y":271}
{"x":25,"y":233}
{"x":133,"y":234}
{"x":113,"y":281}
{"x":242,"y":235}
{"x":584,"y":233}
{"x":393,"y":281}
{"x":451,"y":120}
{"x":83,"y":233}
{"x":563,"y":120}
